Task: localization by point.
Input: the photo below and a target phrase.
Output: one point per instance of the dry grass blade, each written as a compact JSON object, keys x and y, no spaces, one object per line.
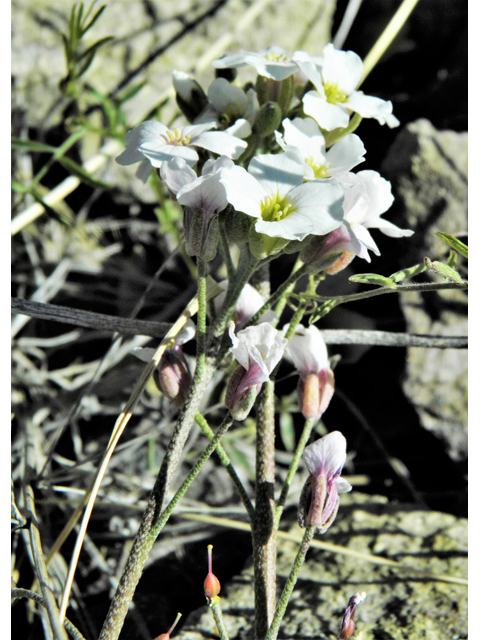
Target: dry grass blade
{"x":212,"y":290}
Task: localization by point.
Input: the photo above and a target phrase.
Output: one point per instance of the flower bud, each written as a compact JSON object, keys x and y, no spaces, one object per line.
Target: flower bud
{"x":211,"y":585}
{"x":190,"y":96}
{"x":173,"y":377}
{"x":240,"y":396}
{"x":279,"y":91}
{"x":315,"y":391}
{"x":237,"y":226}
{"x":166,"y":636}
{"x":348,"y":624}
{"x":268,"y":119}
{"x":201,"y":233}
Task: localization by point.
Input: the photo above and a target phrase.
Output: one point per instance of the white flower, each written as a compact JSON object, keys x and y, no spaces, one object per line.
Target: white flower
{"x":157,"y":143}
{"x":231,"y":108}
{"x":247,"y":305}
{"x":319,"y":500}
{"x":303,"y":137}
{"x":202,"y":199}
{"x":335,"y":94}
{"x":273,"y":191}
{"x":367,"y":197}
{"x":259,"y":347}
{"x":274,"y":63}
{"x":308,"y":352}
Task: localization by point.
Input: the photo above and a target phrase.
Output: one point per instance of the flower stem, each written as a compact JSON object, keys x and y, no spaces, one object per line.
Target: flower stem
{"x":218,"y":617}
{"x":304,"y":438}
{"x":225,"y":460}
{"x":202,"y":313}
{"x":263,"y":531}
{"x":290,"y":584}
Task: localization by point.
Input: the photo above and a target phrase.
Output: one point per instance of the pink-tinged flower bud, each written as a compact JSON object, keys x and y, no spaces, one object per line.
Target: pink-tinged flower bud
{"x":211,"y":585}
{"x":319,"y":500}
{"x":308,"y":352}
{"x":241,"y":392}
{"x":258,"y":349}
{"x":315,"y":391}
{"x":173,"y":377}
{"x":348,"y":624}
{"x":166,"y":636}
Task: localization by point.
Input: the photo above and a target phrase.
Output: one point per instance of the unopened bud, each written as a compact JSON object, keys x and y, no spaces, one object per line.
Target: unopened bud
{"x":315,"y":390}
{"x":173,"y":377}
{"x":166,"y":636}
{"x":240,"y":396}
{"x":211,"y":585}
{"x":348,"y":624}
{"x":340,"y":263}
{"x":268,"y":119}
{"x":190,"y":96}
{"x":201,"y":233}
{"x":278,"y":91}
{"x":237,"y":226}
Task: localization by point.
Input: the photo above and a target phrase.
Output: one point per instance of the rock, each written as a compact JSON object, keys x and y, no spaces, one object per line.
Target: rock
{"x":401,"y":603}
{"x":428,"y":170}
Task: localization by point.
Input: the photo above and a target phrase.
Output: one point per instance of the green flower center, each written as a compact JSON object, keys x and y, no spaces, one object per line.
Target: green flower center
{"x":319,"y":171}
{"x":334,"y":94}
{"x":275,"y":208}
{"x":175,"y":139}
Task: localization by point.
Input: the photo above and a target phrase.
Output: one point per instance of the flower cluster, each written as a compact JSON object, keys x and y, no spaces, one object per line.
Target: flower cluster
{"x":272,"y":167}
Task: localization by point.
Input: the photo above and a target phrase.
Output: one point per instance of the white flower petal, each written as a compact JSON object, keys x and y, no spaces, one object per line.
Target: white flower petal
{"x":176,"y":174}
{"x":345,"y":154}
{"x":157,"y":154}
{"x":307,"y":350}
{"x":369,"y":106}
{"x":278,"y":174}
{"x":327,"y":455}
{"x":342,"y":485}
{"x":329,"y":116}
{"x":243,"y":191}
{"x":222,"y":143}
{"x":343,"y":68}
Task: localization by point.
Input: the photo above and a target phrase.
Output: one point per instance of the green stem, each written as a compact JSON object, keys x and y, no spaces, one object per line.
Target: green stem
{"x":263,"y":531}
{"x":426,"y":286}
{"x":227,"y":463}
{"x":290,"y":584}
{"x":283,"y":300}
{"x":201,"y":314}
{"x":302,"y":443}
{"x":225,"y":248}
{"x":218,"y":617}
{"x":275,"y":297}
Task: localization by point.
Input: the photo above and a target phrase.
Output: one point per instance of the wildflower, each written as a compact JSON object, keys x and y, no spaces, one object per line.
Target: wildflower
{"x":231,"y":108}
{"x":367,"y":197}
{"x":258,"y":349}
{"x":303,"y":138}
{"x":348,"y":624}
{"x":273,"y":192}
{"x":157,"y":143}
{"x":274,"y":63}
{"x":202,"y":198}
{"x":308,"y":352}
{"x":335,"y":95}
{"x":248,"y":303}
{"x":319,"y":500}
{"x":211,"y":585}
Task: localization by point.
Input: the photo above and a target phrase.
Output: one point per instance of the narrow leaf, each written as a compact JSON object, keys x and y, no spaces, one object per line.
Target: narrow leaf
{"x":455,"y":243}
{"x":408,"y":273}
{"x":373,"y":278}
{"x":83,"y":175}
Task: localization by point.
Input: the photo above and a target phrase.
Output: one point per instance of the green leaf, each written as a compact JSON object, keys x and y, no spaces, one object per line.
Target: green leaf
{"x":408,"y":273}
{"x":373,"y":278}
{"x":83,"y":175}
{"x":444,"y":270}
{"x":92,"y":49}
{"x":86,"y":27}
{"x":455,"y":243}
{"x":323,"y":310}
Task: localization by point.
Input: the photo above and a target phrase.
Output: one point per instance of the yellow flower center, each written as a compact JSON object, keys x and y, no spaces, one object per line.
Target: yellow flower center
{"x":275,"y":208}
{"x":276,"y":57}
{"x":319,"y":171}
{"x":334,"y":94}
{"x":176,"y":139}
